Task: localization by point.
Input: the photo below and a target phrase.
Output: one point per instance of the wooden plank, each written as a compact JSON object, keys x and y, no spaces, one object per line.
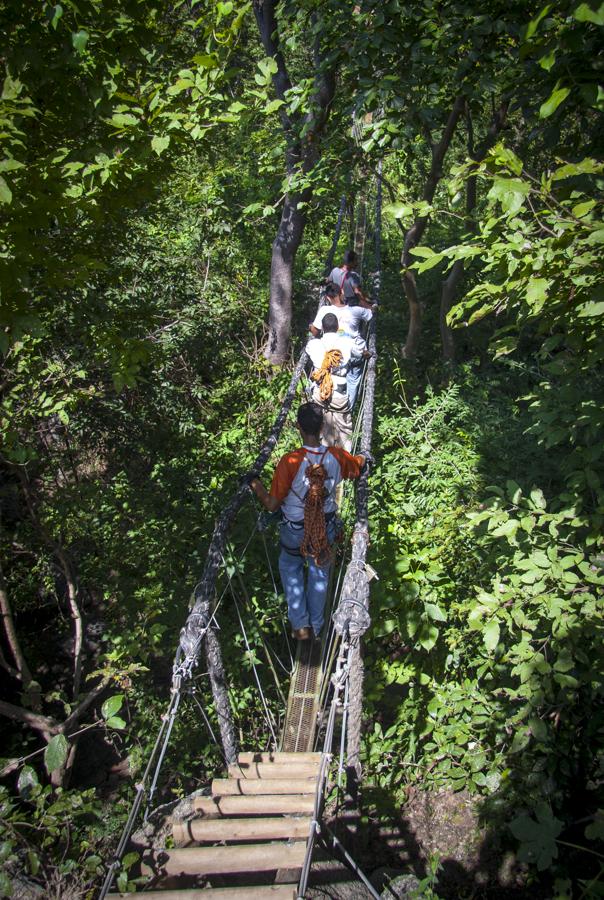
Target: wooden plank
{"x":274,"y":770}
{"x":230,"y":860}
{"x":259,"y":805}
{"x":252,"y":829}
{"x":275,"y":756}
{"x":263,"y":892}
{"x":228,"y":786}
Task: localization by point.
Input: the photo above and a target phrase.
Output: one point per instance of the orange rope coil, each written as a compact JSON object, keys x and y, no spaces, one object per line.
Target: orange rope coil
{"x":315,"y":541}
{"x":331,"y":360}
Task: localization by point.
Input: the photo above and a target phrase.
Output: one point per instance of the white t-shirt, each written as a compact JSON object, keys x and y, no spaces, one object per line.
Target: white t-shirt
{"x":318,"y":347}
{"x":349,"y":318}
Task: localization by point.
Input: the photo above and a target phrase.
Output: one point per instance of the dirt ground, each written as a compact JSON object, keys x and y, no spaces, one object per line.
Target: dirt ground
{"x":474,"y":861}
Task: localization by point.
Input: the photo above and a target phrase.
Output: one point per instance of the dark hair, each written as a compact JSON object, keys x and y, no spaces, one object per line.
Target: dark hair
{"x":332,"y":290}
{"x":310,"y":418}
{"x":350,"y":258}
{"x":330,"y":323}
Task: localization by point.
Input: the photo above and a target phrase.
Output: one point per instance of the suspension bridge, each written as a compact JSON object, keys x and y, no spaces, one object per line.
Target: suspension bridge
{"x":258,"y":830}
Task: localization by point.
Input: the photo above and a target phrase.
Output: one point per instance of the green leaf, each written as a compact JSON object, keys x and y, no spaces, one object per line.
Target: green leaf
{"x":490,"y":635}
{"x":538,"y":729}
{"x":9,"y":165}
{"x":581,"y":209}
{"x":54,"y":14}
{"x":595,"y":831}
{"x":434,"y":612}
{"x":79,"y":39}
{"x":11,"y":88}
{"x":27,"y":782}
{"x":112,"y":705}
{"x":205,"y":61}
{"x":6,"y":195}
{"x":33,"y":862}
{"x":587,"y":166}
{"x":584,"y":13}
{"x":6,"y":885}
{"x":399,"y":210}
{"x":538,"y":838}
{"x":521,"y":739}
{"x":591,"y":310}
{"x":547,"y":61}
{"x":532,"y":26}
{"x":596,"y":237}
{"x":116,"y":722}
{"x":536,"y":293}
{"x":538,"y":498}
{"x":506,"y":529}
{"x":159,"y":143}
{"x":510,"y":192}
{"x":557,"y":96}
{"x":428,"y":635}
{"x":123,"y":119}
{"x":56,"y":753}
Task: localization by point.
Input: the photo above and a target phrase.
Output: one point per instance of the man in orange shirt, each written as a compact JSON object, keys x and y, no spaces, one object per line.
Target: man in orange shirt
{"x":293,"y":482}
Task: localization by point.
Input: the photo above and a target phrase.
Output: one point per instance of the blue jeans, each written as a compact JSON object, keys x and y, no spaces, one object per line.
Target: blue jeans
{"x":305,"y":602}
{"x":353,"y":379}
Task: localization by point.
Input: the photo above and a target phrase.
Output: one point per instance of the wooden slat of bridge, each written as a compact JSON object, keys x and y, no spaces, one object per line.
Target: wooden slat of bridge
{"x":255,"y":824}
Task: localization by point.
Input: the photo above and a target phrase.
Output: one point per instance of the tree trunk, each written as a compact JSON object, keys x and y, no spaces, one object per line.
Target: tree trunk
{"x":452,"y":281}
{"x":285,"y":247}
{"x":415,"y":233}
{"x":302,"y":135}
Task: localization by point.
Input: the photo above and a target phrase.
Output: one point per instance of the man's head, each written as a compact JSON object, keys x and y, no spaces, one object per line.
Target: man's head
{"x":332,"y":292}
{"x":330,"y":323}
{"x":310,"y":419}
{"x":350,"y":258}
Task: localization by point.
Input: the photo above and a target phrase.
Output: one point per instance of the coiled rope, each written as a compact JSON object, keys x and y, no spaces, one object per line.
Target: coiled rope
{"x":315,"y":543}
{"x":322,"y":375}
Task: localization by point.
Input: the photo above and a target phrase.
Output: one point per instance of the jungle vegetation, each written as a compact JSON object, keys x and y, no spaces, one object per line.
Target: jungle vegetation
{"x":170,"y":177}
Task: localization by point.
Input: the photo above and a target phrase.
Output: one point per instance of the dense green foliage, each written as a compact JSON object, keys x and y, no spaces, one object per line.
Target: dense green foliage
{"x":141,"y":181}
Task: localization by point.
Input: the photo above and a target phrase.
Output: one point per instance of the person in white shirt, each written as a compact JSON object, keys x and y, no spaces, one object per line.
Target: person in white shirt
{"x":350,"y":320}
{"x":331,"y":356}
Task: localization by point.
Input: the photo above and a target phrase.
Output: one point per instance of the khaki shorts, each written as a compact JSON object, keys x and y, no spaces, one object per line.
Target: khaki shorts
{"x":337,"y":420}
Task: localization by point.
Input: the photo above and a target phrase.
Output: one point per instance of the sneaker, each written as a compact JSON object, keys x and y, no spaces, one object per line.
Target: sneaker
{"x":301,"y":634}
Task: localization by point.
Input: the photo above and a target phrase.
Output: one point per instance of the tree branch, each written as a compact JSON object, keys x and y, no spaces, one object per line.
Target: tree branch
{"x":70,"y":580}
{"x":40,"y":723}
{"x":22,"y":671}
{"x":451,"y":282}
{"x":76,"y":714}
{"x":416,"y":231}
{"x":264,"y":10}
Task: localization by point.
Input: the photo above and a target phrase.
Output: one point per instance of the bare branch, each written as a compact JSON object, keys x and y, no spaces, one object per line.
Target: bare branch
{"x":40,"y":723}
{"x":22,"y":671}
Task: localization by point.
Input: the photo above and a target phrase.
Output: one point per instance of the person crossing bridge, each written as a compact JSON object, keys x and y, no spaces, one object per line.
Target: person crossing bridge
{"x":304,"y":489}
